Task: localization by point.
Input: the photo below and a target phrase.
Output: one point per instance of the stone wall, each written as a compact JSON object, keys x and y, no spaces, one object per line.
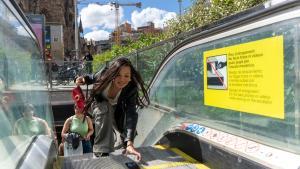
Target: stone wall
{"x":56,"y":12}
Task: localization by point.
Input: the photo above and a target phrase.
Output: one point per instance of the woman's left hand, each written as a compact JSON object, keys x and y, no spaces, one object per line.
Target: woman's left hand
{"x":131,"y":150}
{"x":87,"y":137}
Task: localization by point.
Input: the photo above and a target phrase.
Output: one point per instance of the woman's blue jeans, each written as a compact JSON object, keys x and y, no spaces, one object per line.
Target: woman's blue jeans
{"x":87,"y":146}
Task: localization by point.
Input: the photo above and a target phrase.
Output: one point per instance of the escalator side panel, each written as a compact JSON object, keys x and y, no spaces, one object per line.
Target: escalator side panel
{"x":212,"y":156}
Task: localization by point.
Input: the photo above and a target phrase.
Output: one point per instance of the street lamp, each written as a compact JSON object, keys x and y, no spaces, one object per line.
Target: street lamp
{"x":179,"y":2}
{"x":76,"y":31}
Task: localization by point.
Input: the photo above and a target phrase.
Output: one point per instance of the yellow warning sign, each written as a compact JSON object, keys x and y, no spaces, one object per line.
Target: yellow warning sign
{"x":247,"y":77}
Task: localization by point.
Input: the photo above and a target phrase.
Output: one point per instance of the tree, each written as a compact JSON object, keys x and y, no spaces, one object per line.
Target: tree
{"x":116,"y":51}
{"x":204,"y":12}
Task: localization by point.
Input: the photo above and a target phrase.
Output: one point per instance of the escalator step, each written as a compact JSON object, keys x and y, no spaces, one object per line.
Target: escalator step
{"x":156,"y":157}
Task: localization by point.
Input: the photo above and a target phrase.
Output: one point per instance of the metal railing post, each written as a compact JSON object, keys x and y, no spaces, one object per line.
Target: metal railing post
{"x":50,"y":74}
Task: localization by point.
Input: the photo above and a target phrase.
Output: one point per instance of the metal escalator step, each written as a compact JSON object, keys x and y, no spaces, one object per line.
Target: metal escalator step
{"x":175,"y":160}
{"x":156,"y":157}
{"x":87,"y":161}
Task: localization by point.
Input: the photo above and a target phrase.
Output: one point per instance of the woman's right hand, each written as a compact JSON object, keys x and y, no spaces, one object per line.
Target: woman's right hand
{"x":80,"y":80}
{"x":131,"y":150}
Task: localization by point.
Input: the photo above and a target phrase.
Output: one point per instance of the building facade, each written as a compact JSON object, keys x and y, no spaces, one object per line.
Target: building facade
{"x":56,"y":12}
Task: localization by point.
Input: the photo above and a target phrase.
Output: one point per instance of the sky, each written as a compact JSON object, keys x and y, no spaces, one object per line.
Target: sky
{"x":98,"y":20}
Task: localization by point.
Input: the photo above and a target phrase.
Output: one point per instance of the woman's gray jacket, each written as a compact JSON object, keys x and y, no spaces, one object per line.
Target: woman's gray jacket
{"x":125,"y":113}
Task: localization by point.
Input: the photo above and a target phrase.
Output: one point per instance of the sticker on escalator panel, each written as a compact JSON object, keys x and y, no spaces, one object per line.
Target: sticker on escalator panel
{"x":263,"y":153}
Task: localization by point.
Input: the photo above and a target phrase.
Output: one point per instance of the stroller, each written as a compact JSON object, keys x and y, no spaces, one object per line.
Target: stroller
{"x":73,"y":145}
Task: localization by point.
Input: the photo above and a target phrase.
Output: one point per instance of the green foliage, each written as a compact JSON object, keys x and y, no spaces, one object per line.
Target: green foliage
{"x":116,"y":51}
{"x":203,"y":13}
{"x":100,"y":59}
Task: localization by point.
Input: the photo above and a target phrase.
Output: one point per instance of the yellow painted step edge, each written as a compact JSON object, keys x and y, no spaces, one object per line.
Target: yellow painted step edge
{"x":166,"y":165}
{"x":188,"y":158}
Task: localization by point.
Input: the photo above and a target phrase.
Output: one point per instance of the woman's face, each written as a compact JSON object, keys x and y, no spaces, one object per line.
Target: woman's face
{"x":76,"y":110}
{"x":123,"y":78}
{"x":28,"y":114}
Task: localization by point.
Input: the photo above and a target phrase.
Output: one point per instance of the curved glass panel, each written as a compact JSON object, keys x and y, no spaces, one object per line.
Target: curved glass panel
{"x":180,"y":86}
{"x":148,"y":61}
{"x":24,"y":99}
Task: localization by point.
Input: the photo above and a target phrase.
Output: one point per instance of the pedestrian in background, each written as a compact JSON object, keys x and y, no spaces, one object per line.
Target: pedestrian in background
{"x":48,"y":56}
{"x":88,"y":58}
{"x":81,"y":124}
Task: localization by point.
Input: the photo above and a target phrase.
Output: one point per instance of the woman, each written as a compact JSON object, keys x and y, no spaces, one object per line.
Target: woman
{"x":114,"y":99}
{"x":31,"y":125}
{"x":81,"y":124}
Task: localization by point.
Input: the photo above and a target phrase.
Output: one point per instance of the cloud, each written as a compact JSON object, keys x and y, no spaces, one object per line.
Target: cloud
{"x":157,"y":16}
{"x":100,"y":19}
{"x":99,"y":16}
{"x":97,"y":35}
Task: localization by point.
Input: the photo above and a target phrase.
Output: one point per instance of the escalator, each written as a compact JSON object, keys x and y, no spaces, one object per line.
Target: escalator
{"x":247,"y":117}
{"x":157,"y":156}
{"x":180,"y":129}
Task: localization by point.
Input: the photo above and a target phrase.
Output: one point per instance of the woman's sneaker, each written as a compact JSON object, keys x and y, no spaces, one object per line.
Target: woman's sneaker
{"x":99,"y":154}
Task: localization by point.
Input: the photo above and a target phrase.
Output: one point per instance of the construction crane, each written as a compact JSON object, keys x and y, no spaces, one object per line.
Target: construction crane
{"x":117,"y":5}
{"x":117,"y":14}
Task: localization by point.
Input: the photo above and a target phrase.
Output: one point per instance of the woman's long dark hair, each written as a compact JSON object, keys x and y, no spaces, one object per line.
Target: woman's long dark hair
{"x":111,"y":73}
